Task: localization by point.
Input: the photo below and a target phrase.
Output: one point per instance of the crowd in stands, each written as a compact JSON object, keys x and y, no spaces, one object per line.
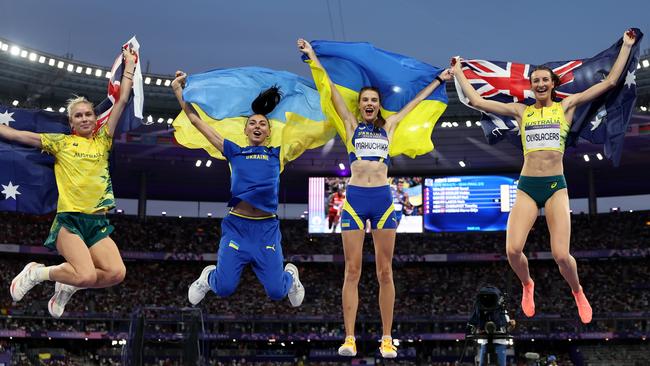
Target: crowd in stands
{"x":423,"y":290}
{"x":441,"y":293}
{"x":618,"y":230}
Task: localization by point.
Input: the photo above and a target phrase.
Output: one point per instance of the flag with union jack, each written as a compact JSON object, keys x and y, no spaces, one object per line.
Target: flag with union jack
{"x":601,"y":121}
{"x":132,"y":115}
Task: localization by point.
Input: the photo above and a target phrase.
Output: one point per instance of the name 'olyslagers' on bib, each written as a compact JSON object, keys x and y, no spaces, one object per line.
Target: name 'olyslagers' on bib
{"x":542,"y":135}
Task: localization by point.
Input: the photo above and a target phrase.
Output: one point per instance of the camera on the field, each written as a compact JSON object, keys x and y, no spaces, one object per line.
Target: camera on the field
{"x":489,"y":326}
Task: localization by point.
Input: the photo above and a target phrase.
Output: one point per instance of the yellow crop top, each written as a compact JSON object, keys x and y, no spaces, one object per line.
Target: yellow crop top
{"x":544,"y":128}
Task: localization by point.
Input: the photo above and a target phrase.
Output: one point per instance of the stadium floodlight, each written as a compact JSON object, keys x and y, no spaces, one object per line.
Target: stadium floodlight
{"x":98,"y":73}
{"x":164,"y":213}
{"x":70,"y":67}
{"x":158,"y":81}
{"x":60,"y":64}
{"x":455,"y":124}
{"x":468,"y":123}
{"x":168,"y":82}
{"x":198,"y":163}
{"x":599,"y":156}
{"x":15,"y":50}
{"x":161,"y":120}
{"x":62,"y":109}
{"x":79,"y":69}
{"x":586,"y":157}
{"x":41,"y":59}
{"x":147,"y":80}
{"x":645,"y":63}
{"x":149,"y":119}
{"x":169,"y":121}
{"x":52,"y":62}
{"x":14,"y":103}
{"x":89,"y":70}
{"x":32,"y":57}
{"x":23,"y":54}
{"x":208,"y":163}
{"x":49,"y":109}
{"x":4,"y":47}
{"x":108,"y":75}
{"x":644,"y":108}
{"x":462,"y":164}
{"x":210,"y":215}
{"x":478,"y":123}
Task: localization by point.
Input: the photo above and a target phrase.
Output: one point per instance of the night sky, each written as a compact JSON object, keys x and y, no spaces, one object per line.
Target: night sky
{"x":201,"y":35}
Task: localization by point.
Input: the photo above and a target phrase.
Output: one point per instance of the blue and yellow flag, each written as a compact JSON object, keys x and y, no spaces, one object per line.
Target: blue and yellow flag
{"x":223,"y":99}
{"x":399,"y":78}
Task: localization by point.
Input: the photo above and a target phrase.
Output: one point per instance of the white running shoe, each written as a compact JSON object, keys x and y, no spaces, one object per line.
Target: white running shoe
{"x":62,"y":294}
{"x":297,"y":291}
{"x":200,"y":287}
{"x":25,"y":281}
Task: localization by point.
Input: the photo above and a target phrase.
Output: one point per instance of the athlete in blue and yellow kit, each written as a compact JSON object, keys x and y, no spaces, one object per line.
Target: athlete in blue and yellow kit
{"x":250,"y":233}
{"x":400,"y":201}
{"x":544,"y":127}
{"x":369,"y":197}
{"x":80,"y":231}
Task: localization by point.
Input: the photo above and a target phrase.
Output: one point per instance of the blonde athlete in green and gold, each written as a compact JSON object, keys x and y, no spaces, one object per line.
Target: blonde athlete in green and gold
{"x":80,"y":231}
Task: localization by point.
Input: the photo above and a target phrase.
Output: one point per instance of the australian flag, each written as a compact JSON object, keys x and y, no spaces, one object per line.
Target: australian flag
{"x":132,"y":115}
{"x":27,"y":182}
{"x":604,"y":120}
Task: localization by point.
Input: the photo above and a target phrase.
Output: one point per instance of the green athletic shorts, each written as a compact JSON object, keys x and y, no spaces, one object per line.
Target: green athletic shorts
{"x":541,"y":189}
{"x":90,"y":228}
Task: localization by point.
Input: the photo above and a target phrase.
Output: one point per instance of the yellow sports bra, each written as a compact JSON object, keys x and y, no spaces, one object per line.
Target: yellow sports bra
{"x":544,"y":128}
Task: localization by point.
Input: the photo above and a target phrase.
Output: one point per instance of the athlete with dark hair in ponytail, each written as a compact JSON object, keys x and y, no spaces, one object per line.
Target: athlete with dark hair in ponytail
{"x":250,"y":233}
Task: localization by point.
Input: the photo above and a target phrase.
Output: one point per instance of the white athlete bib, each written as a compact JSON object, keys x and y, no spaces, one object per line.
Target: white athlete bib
{"x":542,"y":136}
{"x":371,"y":147}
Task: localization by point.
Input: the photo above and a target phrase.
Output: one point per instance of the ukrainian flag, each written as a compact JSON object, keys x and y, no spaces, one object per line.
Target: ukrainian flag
{"x":223,"y":99}
{"x":399,"y":78}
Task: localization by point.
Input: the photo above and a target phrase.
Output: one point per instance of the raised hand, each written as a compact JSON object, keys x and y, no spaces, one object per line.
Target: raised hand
{"x":304,"y":47}
{"x":447,"y":74}
{"x":629,"y":37}
{"x":179,"y":81}
{"x":129,"y":55}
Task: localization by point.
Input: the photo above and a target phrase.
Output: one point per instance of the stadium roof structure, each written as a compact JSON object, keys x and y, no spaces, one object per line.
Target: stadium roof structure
{"x":148,"y":155}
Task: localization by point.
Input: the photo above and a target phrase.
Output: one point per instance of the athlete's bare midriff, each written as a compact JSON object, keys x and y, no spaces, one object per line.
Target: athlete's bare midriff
{"x":543,"y":164}
{"x":246,"y":209}
{"x":367,"y":173}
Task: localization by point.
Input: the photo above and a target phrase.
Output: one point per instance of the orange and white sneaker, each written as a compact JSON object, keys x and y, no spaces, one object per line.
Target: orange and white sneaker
{"x":349,"y":348}
{"x":584,"y":309}
{"x":528,"y":299}
{"x":387,"y":348}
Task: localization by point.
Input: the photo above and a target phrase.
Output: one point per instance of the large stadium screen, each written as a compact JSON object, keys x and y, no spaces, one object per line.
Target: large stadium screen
{"x":327,"y":195}
{"x":468,"y":203}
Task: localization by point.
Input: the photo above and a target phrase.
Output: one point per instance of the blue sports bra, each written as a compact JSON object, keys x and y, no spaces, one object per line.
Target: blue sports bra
{"x":370,"y":143}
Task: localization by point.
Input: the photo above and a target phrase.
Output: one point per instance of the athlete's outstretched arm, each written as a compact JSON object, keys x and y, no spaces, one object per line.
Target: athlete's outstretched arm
{"x":23,"y":137}
{"x":393,"y":120}
{"x":126,"y":84}
{"x":337,"y":99}
{"x":629,"y":37}
{"x":476,"y":100}
{"x":210,"y":133}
